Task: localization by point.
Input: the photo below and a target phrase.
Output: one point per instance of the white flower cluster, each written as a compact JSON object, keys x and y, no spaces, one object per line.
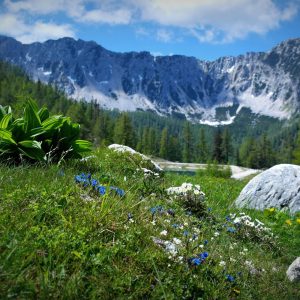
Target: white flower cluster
{"x":185,"y":189}
{"x":148,"y":173}
{"x":246,"y":220}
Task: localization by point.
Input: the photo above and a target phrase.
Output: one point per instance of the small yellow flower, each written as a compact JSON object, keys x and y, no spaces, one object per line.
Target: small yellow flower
{"x":298,"y":221}
{"x":237,"y":291}
{"x":272,"y":209}
{"x":288,"y":222}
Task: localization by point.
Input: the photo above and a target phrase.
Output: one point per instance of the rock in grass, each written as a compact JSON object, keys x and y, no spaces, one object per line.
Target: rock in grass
{"x":293,"y":272}
{"x":277,"y":187}
{"x":124,"y":149}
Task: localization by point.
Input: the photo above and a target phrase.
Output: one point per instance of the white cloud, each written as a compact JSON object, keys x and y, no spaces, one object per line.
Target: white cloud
{"x":120,"y":16}
{"x":141,"y":31}
{"x":164,"y":35}
{"x":14,"y":25}
{"x":211,"y":19}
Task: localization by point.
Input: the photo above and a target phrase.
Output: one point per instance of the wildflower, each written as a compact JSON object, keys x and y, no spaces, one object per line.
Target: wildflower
{"x":229,"y":278}
{"x":205,"y":242}
{"x":94,"y":183}
{"x":231,"y":229}
{"x":196,"y":261}
{"x":171,"y":212}
{"x":164,"y":232}
{"x":209,"y":209}
{"x":228,"y":218}
{"x":177,"y":241}
{"x":288,"y":222}
{"x":185,"y":233}
{"x":236,"y":291}
{"x":298,"y":221}
{"x":153,"y":222}
{"x":204,"y":255}
{"x":216,"y":234}
{"x":175,"y":225}
{"x":222,"y":263}
{"x":102,"y":190}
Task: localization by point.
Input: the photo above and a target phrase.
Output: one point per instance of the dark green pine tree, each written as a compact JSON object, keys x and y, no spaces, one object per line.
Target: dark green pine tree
{"x":226,"y":145}
{"x":174,"y":149}
{"x":187,"y":153}
{"x":163,"y":146}
{"x":123,"y":132}
{"x":217,"y":146}
{"x":202,"y":152}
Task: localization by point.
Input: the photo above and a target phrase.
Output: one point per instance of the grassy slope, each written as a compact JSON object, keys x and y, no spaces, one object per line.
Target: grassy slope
{"x":54,"y":243}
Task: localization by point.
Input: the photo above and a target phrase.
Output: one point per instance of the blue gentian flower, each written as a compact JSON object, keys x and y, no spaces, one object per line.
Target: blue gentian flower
{"x":228,"y":218}
{"x":196,"y":261}
{"x":231,"y":229}
{"x":205,"y":242}
{"x":102,"y":189}
{"x":185,"y":233}
{"x":175,"y":225}
{"x":171,"y":212}
{"x":94,"y":182}
{"x":230,"y":278}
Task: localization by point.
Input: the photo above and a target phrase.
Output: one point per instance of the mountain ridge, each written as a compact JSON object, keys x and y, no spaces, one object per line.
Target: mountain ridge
{"x":266,"y":82}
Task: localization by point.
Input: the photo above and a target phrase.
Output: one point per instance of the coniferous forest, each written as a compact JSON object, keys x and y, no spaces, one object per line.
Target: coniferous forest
{"x":266,"y":142}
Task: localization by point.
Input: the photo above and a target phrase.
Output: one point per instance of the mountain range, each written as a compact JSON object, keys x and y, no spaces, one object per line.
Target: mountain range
{"x":208,"y":92}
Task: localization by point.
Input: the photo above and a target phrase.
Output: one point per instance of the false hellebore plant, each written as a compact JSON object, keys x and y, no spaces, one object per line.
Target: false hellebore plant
{"x":37,"y":136}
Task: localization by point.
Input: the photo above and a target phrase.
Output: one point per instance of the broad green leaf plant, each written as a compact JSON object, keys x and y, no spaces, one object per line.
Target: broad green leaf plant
{"x":39,"y":137}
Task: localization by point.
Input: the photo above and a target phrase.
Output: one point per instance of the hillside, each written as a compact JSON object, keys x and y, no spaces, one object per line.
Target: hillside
{"x":63,"y":238}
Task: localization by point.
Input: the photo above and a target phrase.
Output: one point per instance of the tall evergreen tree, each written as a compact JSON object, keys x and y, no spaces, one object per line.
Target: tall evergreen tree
{"x":163,"y":147}
{"x":217,"y":150}
{"x":187,"y":153}
{"x":202,"y":152}
{"x":123,"y":132}
{"x":226,"y":145}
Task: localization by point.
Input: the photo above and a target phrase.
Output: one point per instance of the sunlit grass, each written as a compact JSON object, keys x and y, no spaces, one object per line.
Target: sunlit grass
{"x":59,"y":239}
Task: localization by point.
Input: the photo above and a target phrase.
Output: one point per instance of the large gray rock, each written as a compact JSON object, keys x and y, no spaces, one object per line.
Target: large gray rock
{"x":277,"y":187}
{"x":293,"y":272}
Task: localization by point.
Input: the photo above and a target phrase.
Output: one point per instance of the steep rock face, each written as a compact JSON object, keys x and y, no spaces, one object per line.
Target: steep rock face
{"x":268,"y":83}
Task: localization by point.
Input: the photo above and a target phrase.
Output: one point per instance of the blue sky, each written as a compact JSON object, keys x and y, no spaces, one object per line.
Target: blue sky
{"x":206,"y":29}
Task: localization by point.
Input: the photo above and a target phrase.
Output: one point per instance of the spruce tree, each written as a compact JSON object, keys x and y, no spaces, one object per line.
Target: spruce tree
{"x":123,"y":132}
{"x":202,"y":152}
{"x":296,"y":152}
{"x":187,"y":153}
{"x":217,"y":150}
{"x":226,"y":145}
{"x":163,"y":147}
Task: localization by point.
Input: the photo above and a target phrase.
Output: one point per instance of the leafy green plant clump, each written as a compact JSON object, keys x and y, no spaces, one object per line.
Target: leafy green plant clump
{"x":38,"y":137}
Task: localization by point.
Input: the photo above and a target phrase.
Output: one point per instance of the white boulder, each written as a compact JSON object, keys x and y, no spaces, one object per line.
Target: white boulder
{"x":293,"y":272}
{"x":277,"y":187}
